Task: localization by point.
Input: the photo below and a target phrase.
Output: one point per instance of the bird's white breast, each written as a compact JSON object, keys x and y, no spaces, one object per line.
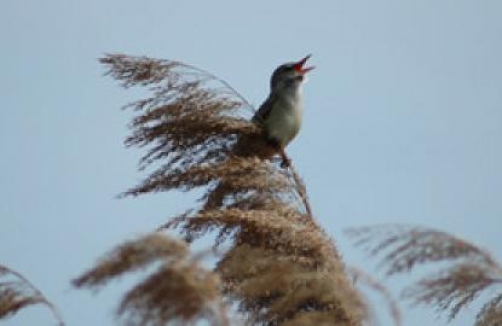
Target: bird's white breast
{"x":285,"y":119}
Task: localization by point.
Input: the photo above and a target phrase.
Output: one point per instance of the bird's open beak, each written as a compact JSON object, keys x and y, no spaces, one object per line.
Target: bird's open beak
{"x":300,"y":65}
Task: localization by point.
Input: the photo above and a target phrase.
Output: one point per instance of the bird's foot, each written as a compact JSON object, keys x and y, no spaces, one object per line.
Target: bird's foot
{"x":286,"y":162}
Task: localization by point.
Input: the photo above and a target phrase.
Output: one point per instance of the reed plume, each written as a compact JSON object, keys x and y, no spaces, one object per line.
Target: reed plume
{"x":17,"y":292}
{"x":179,"y":290}
{"x":279,"y":266}
{"x":471,"y":270}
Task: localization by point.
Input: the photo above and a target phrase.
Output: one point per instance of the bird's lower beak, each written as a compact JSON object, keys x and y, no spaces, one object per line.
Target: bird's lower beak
{"x":300,"y":65}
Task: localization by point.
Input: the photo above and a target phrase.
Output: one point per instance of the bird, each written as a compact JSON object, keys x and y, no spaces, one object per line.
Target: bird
{"x":279,"y":119}
{"x":281,"y":114}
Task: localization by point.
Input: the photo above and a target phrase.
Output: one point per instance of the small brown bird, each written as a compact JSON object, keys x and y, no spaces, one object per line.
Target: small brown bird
{"x":279,"y":118}
{"x":281,"y":114}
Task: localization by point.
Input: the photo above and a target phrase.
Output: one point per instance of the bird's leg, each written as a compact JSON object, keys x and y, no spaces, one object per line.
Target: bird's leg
{"x":286,"y":162}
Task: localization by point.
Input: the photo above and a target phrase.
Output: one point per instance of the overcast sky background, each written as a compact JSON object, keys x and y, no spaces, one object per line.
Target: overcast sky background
{"x":403,"y":123}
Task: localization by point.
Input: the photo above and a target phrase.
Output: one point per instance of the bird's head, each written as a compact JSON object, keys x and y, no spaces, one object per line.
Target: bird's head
{"x":290,"y":74}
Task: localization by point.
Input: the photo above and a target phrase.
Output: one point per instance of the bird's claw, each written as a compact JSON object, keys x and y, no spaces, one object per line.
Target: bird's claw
{"x":286,"y":162}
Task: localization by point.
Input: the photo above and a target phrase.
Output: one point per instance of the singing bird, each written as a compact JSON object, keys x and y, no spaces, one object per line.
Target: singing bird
{"x":280,"y":116}
{"x":279,"y":119}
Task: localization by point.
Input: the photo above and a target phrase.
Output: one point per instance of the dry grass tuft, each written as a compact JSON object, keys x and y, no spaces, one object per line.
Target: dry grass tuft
{"x":132,"y":256}
{"x":17,"y":292}
{"x":491,"y":313}
{"x":280,"y":267}
{"x":187,"y":122}
{"x":472,"y":272}
{"x":276,"y":288}
{"x":364,"y":280}
{"x":405,"y":247}
{"x":178,"y":290}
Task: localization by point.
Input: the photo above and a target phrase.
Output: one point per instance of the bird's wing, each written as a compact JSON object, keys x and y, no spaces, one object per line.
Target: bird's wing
{"x":264,"y":111}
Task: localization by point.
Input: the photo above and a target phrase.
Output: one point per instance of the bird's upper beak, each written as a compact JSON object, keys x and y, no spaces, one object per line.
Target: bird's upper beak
{"x":300,"y":65}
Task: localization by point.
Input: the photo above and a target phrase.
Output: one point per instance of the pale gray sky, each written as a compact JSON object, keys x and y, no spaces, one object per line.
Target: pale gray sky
{"x":403,"y":122}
